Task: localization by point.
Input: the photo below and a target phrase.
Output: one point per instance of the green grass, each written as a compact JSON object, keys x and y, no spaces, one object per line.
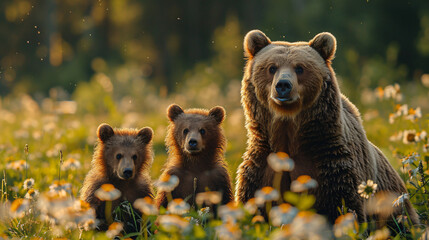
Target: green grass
{"x":48,"y":130}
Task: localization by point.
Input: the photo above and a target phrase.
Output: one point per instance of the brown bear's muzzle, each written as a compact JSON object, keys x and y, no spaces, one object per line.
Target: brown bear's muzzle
{"x":283,"y":89}
{"x":126,"y":169}
{"x":193,"y":142}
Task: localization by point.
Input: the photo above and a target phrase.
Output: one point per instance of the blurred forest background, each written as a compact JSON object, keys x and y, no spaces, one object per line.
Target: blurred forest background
{"x":68,"y":65}
{"x":172,"y":45}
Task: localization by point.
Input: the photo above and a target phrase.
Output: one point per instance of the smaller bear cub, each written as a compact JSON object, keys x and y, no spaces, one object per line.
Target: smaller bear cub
{"x":122,"y":157}
{"x":196,"y":148}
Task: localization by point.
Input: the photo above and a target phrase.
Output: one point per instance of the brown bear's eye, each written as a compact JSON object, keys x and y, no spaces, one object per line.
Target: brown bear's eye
{"x":185,"y":131}
{"x":272,"y":69}
{"x":202,"y":131}
{"x":134,"y":157}
{"x":118,"y":156}
{"x":299,"y":70}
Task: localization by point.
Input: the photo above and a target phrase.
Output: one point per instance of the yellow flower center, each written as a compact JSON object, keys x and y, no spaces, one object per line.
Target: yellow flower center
{"x":267,"y":190}
{"x":16,"y":204}
{"x":231,"y":227}
{"x":304,"y":179}
{"x":282,"y":155}
{"x":232,"y":205}
{"x":305,"y":214}
{"x":148,"y":200}
{"x":107,"y":187}
{"x":258,"y":219}
{"x":397,"y":107}
{"x":84,"y":205}
{"x":165,"y":178}
{"x":115,"y":225}
{"x":60,"y":183}
{"x":411,"y":111}
{"x":285,"y":207}
{"x":380,"y":92}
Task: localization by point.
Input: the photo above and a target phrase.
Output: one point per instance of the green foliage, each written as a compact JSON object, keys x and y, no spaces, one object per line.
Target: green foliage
{"x":41,"y":51}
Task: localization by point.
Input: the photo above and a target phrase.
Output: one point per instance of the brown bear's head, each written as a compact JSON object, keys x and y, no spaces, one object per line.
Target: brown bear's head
{"x":125,"y":151}
{"x":195,"y":130}
{"x":288,"y":77}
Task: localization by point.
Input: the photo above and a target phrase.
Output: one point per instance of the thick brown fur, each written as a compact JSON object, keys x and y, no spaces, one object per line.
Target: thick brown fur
{"x":206,"y":164}
{"x":105,"y":166}
{"x":319,"y":128}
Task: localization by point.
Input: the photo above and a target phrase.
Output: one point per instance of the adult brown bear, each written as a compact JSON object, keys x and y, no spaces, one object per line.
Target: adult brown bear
{"x":293,"y":104}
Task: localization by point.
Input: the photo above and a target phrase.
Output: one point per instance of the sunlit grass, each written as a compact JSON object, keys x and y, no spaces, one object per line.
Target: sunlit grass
{"x":34,"y":175}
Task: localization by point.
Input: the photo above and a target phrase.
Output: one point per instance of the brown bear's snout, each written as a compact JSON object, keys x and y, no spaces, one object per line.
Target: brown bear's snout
{"x":126,"y":168}
{"x":283,"y":88}
{"x":128,"y":172}
{"x":193,"y":144}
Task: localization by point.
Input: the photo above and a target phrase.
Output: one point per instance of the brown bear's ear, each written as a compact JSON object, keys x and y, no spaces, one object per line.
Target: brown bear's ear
{"x":254,"y":41}
{"x":325,"y":44}
{"x":218,"y":113}
{"x":104,"y":132}
{"x":174,"y":111}
{"x":145,"y":134}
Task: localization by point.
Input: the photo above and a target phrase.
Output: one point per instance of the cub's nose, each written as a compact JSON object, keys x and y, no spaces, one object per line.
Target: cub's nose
{"x":193,"y":143}
{"x":283,"y":88}
{"x":128,"y":173}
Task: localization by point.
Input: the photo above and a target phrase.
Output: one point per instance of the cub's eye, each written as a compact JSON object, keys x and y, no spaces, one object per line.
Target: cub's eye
{"x":186,"y":131}
{"x":272,"y":69}
{"x":134,"y":157}
{"x":202,"y":131}
{"x":118,"y":156}
{"x":299,"y":70}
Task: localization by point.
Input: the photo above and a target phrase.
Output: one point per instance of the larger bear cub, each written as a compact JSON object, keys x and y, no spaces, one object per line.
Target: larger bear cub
{"x":196,"y":148}
{"x":293,"y":104}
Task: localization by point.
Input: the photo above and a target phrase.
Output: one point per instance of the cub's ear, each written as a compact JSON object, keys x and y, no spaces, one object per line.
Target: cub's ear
{"x":174,"y":111}
{"x":218,"y":113}
{"x":104,"y":132}
{"x":145,"y":134}
{"x":325,"y":44}
{"x":254,"y":41}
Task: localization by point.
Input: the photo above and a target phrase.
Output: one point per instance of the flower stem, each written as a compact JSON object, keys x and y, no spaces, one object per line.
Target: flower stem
{"x":268,"y":209}
{"x":169,"y":196}
{"x":26,"y":159}
{"x":258,"y":230}
{"x":144,"y":227}
{"x":108,"y":212}
{"x":59,"y":167}
{"x":277,"y":184}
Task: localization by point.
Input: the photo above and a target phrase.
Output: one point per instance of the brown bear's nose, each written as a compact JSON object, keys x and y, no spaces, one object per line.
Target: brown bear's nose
{"x":283,"y":88}
{"x":193,"y":143}
{"x":128,"y":173}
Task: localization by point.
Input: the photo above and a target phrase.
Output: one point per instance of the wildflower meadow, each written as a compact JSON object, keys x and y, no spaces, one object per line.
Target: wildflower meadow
{"x":47,"y":149}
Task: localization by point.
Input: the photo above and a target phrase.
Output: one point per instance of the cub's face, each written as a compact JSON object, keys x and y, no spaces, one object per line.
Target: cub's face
{"x":195,"y":132}
{"x":288,"y":77}
{"x":124,"y":149}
